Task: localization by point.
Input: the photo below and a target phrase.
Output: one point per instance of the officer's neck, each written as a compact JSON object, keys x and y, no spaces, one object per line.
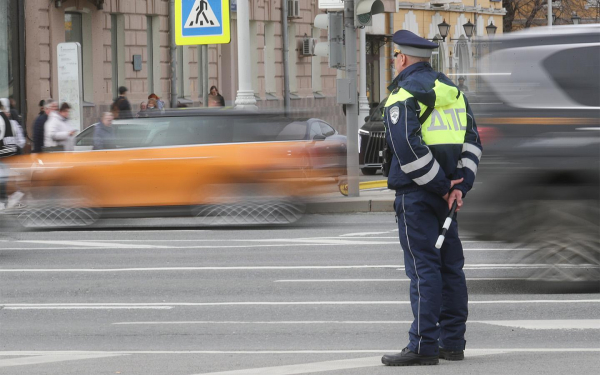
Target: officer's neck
{"x":411,"y":69}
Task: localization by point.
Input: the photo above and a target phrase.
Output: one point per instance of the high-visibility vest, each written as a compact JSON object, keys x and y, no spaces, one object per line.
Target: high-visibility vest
{"x":446,"y":124}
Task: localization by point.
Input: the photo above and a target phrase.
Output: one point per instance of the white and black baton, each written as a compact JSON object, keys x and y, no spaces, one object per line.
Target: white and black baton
{"x":442,"y":237}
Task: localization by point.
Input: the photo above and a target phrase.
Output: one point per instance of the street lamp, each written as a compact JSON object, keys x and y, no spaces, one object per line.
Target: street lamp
{"x":468,"y":29}
{"x":491,"y":29}
{"x":575,"y":18}
{"x":444,"y":28}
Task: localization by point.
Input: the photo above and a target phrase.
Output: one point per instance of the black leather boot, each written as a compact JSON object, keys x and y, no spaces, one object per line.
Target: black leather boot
{"x":450,"y":355}
{"x":409,"y":358}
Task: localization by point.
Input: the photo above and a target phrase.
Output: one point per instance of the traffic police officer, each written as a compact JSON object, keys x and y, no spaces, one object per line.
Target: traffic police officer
{"x":432,"y":135}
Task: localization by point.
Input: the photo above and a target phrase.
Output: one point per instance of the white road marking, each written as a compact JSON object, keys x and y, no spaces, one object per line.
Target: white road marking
{"x":526,"y":324}
{"x":157,"y":247}
{"x":88,"y":307}
{"x":547,"y":324}
{"x":167,"y":247}
{"x":346,"y":364}
{"x":304,"y":368}
{"x":12,"y":306}
{"x":51,"y":358}
{"x":300,"y":322}
{"x":308,"y":351}
{"x":246,"y":268}
{"x":363,"y":234}
{"x":231,"y":268}
{"x":89,"y":243}
{"x":388,"y":280}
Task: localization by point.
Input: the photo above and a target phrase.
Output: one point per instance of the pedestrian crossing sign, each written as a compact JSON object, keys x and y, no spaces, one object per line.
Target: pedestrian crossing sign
{"x":202,"y":22}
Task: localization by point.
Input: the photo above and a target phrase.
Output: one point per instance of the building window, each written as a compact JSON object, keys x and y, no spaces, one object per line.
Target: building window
{"x":292,"y":58}
{"x":10,"y":60}
{"x":316,"y":67}
{"x":462,"y":53}
{"x":254,"y":56}
{"x":183,"y":75}
{"x":270,"y":85}
{"x":438,"y":55}
{"x":150,"y":54}
{"x":73,"y":30}
{"x":201,"y":61}
{"x":117,"y":33}
{"x":153,"y":58}
{"x":78,"y":28}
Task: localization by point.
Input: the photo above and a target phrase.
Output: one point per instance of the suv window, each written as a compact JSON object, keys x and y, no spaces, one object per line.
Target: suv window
{"x":377,"y":113}
{"x":86,"y":137}
{"x":293,"y":132}
{"x":584,"y":86}
{"x":315,"y":129}
{"x":326,"y":129}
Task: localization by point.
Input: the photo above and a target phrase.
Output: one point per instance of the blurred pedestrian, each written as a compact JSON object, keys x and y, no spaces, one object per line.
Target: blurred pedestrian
{"x":17,"y":130}
{"x":121,"y":108}
{"x":159,"y":103}
{"x":58,"y":133}
{"x":104,"y":133}
{"x":152,"y":108}
{"x":143,"y":110}
{"x":215,"y":99}
{"x":461,"y":84}
{"x":14,"y":114}
{"x":38,"y":126}
{"x":432,"y":166}
{"x":7,"y":148}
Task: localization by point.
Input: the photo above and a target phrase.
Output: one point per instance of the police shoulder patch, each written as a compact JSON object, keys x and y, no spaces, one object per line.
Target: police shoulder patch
{"x":394,"y":114}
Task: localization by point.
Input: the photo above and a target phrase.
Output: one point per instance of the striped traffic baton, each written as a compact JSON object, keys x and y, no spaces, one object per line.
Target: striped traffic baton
{"x":442,"y":237}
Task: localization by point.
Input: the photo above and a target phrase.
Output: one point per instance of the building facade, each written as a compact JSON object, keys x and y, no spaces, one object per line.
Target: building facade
{"x":114,"y":33}
{"x":458,"y":55}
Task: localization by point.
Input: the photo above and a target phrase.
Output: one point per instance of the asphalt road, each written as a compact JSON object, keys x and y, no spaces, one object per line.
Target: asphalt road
{"x":326,"y":295}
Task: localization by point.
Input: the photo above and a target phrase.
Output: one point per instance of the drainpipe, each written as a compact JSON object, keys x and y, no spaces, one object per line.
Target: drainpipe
{"x":173,"y":54}
{"x":286,"y":68}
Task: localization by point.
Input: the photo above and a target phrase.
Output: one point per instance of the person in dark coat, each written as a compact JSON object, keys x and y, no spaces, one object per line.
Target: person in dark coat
{"x":121,"y":108}
{"x":215,"y":99}
{"x":104,"y":133}
{"x":47,"y":107}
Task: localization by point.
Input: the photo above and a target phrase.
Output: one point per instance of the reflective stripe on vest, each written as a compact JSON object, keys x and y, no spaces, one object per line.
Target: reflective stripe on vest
{"x":446,"y":124}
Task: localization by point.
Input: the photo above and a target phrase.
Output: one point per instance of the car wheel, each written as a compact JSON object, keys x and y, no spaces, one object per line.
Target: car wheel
{"x":369,"y":171}
{"x":251,"y":204}
{"x":564,"y":242}
{"x":60,"y":207}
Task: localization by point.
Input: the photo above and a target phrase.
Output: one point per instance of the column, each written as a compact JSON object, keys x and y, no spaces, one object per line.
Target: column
{"x":245,"y":95}
{"x":363,"y":101}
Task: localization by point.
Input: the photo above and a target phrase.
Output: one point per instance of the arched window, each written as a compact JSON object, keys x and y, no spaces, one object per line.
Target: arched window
{"x":462,"y":54}
{"x":439,"y":55}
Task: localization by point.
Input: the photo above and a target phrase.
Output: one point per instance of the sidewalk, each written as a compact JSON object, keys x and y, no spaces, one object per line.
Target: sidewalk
{"x":374,"y":200}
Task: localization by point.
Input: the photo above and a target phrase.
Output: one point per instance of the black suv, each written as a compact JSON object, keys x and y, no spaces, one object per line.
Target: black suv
{"x":371,"y":140}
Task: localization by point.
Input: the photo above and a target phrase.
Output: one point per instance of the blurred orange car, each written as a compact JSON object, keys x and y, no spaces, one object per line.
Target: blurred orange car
{"x":235,"y":166}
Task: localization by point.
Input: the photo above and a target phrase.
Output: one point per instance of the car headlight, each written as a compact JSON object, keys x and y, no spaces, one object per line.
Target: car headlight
{"x":361,"y":131}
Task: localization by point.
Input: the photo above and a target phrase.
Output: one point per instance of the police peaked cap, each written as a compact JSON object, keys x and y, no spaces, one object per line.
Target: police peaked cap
{"x":413,"y":45}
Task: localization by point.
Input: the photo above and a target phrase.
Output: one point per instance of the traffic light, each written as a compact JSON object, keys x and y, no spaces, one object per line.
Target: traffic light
{"x":334,"y":47}
{"x":364,"y":11}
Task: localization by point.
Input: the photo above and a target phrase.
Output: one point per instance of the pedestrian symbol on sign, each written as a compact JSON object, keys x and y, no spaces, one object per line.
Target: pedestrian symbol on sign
{"x":201,"y":15}
{"x":201,"y":22}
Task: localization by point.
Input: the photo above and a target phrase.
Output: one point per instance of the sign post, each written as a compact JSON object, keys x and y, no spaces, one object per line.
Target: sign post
{"x":202,"y":22}
{"x":70,"y":79}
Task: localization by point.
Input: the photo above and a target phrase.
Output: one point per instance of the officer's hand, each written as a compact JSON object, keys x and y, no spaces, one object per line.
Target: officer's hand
{"x":455,"y":182}
{"x":452,"y":183}
{"x":455,"y":195}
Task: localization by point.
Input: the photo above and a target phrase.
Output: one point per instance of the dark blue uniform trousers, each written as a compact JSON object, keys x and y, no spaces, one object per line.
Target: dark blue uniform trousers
{"x":438,"y":289}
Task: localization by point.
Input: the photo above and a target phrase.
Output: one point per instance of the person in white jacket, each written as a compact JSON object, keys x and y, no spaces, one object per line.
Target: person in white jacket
{"x":17,"y":130}
{"x":58,"y":131}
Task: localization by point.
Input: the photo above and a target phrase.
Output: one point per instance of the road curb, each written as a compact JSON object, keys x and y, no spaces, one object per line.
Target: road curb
{"x":349,"y":205}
